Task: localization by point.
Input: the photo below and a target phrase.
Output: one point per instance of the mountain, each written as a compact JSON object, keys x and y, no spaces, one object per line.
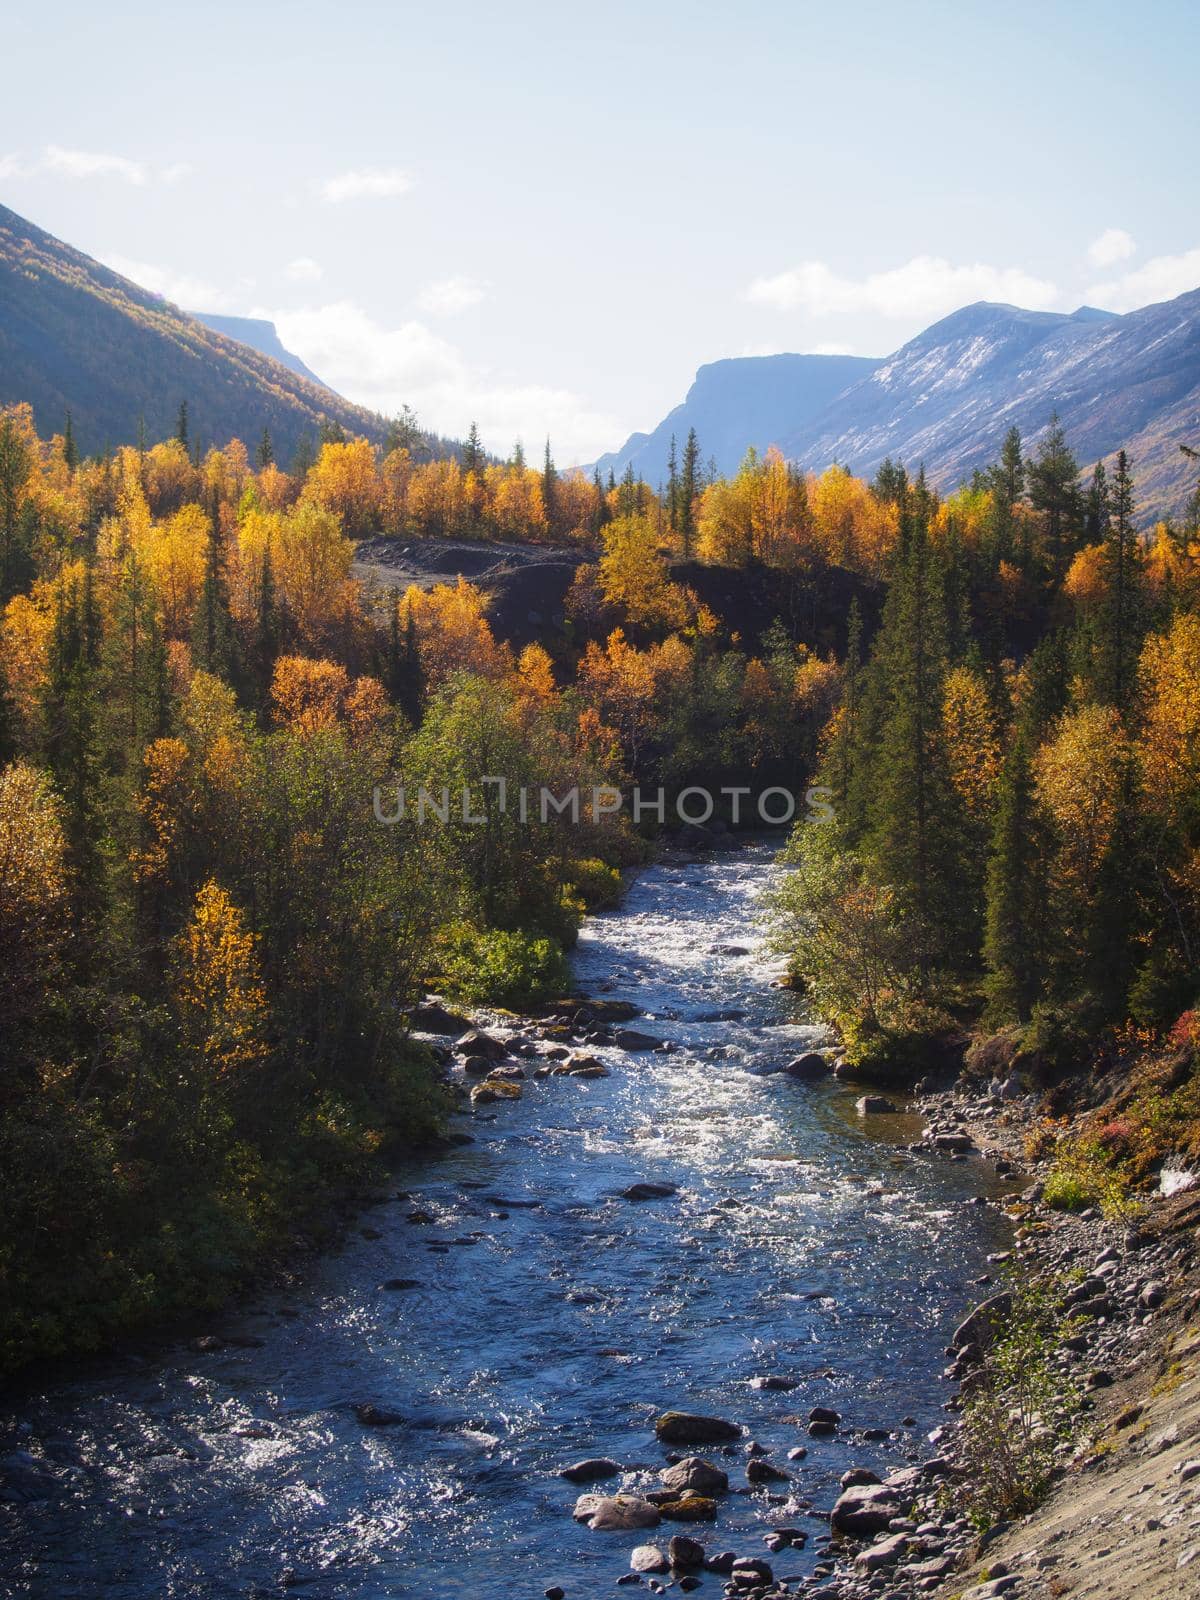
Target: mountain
{"x":948,"y":396}
{"x":262,"y":336}
{"x":747,"y":400}
{"x":76,"y":336}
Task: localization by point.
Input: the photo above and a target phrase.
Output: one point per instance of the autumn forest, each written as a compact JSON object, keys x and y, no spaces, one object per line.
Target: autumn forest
{"x":211,"y":944}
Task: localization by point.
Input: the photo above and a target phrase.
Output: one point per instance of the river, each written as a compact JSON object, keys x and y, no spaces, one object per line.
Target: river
{"x":552,"y":1319}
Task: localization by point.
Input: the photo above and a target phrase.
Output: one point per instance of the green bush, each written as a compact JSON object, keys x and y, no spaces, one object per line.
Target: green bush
{"x":1085,"y":1173}
{"x":497,"y":967}
{"x":1022,"y":1408}
{"x":595,"y":883}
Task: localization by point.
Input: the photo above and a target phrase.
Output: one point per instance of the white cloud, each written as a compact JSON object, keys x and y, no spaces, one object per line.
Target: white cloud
{"x":371,"y":183}
{"x":1113,"y":245}
{"x":388,"y":367}
{"x":180,"y":288}
{"x":926,"y":286}
{"x":448,"y":296}
{"x":59,"y":162}
{"x":1161,"y":278}
{"x":92,"y":164}
{"x":304,"y":270}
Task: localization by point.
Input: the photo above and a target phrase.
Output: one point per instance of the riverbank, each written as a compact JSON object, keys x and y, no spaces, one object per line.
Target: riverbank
{"x":1121,"y":1518}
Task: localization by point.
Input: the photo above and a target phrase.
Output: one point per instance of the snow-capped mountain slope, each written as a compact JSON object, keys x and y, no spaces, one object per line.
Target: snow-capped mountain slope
{"x":948,"y":397}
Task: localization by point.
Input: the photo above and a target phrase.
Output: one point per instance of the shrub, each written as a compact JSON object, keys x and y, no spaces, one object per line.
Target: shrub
{"x":501,"y":968}
{"x":595,"y":883}
{"x":1021,"y":1410}
{"x":1086,"y":1172}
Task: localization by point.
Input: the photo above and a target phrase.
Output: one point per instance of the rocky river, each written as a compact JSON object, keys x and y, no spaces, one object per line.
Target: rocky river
{"x":395,"y":1425}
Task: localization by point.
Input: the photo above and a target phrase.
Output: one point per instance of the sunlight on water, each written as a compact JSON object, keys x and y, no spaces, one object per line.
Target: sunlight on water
{"x":551,"y":1319}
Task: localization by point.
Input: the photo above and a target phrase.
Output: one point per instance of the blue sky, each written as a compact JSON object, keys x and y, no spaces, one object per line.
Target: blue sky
{"x":546,"y":216}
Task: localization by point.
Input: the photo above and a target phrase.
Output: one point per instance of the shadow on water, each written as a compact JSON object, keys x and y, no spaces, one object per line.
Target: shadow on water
{"x":549,"y":1319}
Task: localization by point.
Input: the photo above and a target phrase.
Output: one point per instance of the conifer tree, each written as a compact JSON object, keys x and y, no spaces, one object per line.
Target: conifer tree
{"x":181,"y":424}
{"x":689,"y":488}
{"x":212,"y":625}
{"x":1120,"y":619}
{"x":70,"y":453}
{"x":916,"y":831}
{"x":672,"y":489}
{"x":1016,"y":891}
{"x":264,"y":456}
{"x":473,"y":459}
{"x":549,"y":487}
{"x":1054,"y":492}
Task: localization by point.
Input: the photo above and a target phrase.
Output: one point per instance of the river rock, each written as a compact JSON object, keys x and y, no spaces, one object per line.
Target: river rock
{"x":857,"y":1476}
{"x":693,"y":1472}
{"x":631,"y":1039}
{"x":433,"y":1017}
{"x":614,"y":1010}
{"x":475,"y":1042}
{"x":873,"y":1104}
{"x":690,"y":1507}
{"x":682,"y":1427}
{"x":393,"y":1285}
{"x":979,"y":1328}
{"x":864,"y":1509}
{"x":884,"y":1554}
{"x":615,"y":1513}
{"x":759,"y":1471}
{"x":590,"y":1470}
{"x":752,"y":1567}
{"x":649,"y":1191}
{"x":493,"y":1089}
{"x":372,"y":1416}
{"x":808,"y":1067}
{"x":648,"y":1558}
{"x":685,"y":1554}
{"x":954,"y":1143}
{"x":775,"y":1381}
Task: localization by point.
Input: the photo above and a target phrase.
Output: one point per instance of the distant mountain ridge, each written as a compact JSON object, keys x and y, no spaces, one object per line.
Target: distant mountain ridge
{"x":742,"y":401}
{"x":947,"y":397}
{"x":76,"y":336}
{"x":260,"y":335}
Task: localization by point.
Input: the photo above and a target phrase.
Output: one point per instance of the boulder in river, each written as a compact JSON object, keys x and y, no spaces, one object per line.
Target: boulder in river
{"x":649,"y":1191}
{"x":693,"y":1472}
{"x":682,"y":1427}
{"x":372,"y":1416}
{"x":590,"y":1470}
{"x":873,"y":1104}
{"x":865,"y":1509}
{"x":690,"y":1507}
{"x":475,"y":1042}
{"x":648,"y":1558}
{"x":614,"y":1010}
{"x":760,"y":1471}
{"x":433,"y":1017}
{"x":809,"y":1067}
{"x":630,"y":1039}
{"x":775,"y":1381}
{"x":493,"y":1089}
{"x":685,"y":1554}
{"x":615,"y":1513}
